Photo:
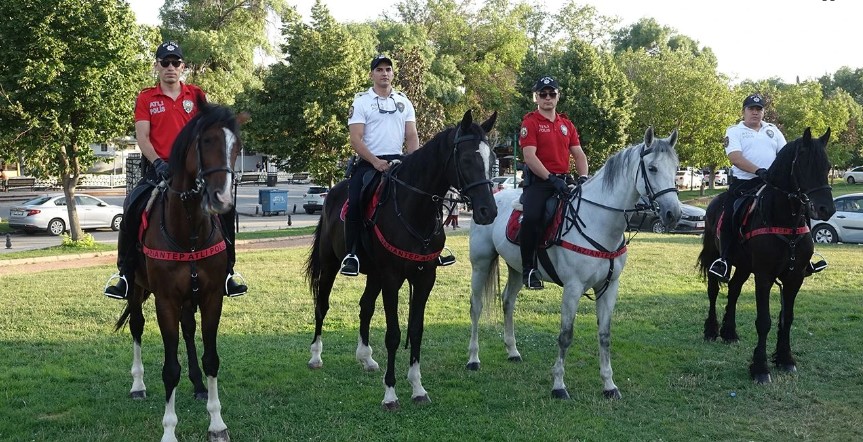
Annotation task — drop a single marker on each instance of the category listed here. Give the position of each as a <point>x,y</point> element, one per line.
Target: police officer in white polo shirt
<point>381,120</point>
<point>751,145</point>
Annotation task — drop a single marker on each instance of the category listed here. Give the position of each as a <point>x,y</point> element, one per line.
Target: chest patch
<point>188,105</point>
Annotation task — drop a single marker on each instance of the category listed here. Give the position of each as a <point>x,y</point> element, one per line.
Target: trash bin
<point>273,201</point>
<point>272,179</point>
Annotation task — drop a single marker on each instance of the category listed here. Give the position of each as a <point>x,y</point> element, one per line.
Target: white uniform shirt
<point>384,119</point>
<point>758,146</point>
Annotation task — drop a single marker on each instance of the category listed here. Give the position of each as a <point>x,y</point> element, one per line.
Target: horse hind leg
<point>136,329</point>
<point>711,325</point>
<point>510,293</point>
<point>728,331</point>
<point>188,325</point>
<point>322,306</point>
<point>367,309</point>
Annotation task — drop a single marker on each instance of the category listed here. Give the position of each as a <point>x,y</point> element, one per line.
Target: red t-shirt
<point>167,116</point>
<point>551,138</point>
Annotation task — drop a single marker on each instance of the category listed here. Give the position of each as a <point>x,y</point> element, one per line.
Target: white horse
<point>591,253</point>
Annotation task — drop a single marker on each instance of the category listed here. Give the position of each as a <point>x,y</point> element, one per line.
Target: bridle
<point>803,196</point>
<point>200,177</point>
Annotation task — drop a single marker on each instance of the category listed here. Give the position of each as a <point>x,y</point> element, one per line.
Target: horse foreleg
<point>759,370</point>
<point>569,307</point>
<point>604,309</point>
<point>391,340</point>
<point>728,332</point>
<point>136,328</point>
<point>783,358</point>
<point>514,284</point>
<point>416,324</point>
<point>322,306</point>
<point>188,326</point>
<point>167,313</point>
<point>367,310</point>
<point>211,312</point>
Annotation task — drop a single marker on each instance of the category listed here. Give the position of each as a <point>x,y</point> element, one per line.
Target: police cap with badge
<point>545,82</point>
<point>168,49</point>
<point>753,100</point>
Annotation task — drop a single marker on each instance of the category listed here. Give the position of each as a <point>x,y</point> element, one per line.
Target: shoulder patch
<point>350,112</point>
<point>725,141</point>
<point>523,132</point>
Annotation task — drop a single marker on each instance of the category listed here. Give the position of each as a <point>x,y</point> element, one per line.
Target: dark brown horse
<point>185,263</point>
<point>774,244</point>
<point>403,241</point>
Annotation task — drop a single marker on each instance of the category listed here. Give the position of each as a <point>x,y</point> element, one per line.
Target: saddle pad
<point>370,207</point>
<point>513,227</point>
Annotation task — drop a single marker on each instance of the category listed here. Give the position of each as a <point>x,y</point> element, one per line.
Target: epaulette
<point>360,94</point>
<point>400,93</point>
<point>148,88</point>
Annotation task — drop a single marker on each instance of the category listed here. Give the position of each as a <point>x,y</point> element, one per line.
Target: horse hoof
<point>762,379</point>
<point>787,368</point>
<point>315,365</point>
<point>710,338</point>
<point>612,394</point>
<point>391,406</point>
<point>473,366</point>
<point>421,400</point>
<point>218,436</point>
<point>731,340</point>
<point>141,394</point>
<point>560,393</point>
<point>201,396</point>
<point>514,359</point>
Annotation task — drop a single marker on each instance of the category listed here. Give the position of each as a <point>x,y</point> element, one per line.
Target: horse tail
<point>124,318</point>
<point>313,264</point>
<point>491,285</point>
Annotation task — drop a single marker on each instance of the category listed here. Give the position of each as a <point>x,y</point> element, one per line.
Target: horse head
<point>203,157</point>
<point>658,167</point>
<point>473,158</point>
<point>801,169</point>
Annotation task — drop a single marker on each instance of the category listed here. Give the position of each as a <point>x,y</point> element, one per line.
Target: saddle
<point>375,190</point>
<point>744,206</point>
<point>551,218</point>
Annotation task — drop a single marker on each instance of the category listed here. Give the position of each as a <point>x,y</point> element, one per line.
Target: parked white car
<point>49,213</point>
<point>853,175</point>
<point>721,178</point>
<point>686,178</point>
<point>846,225</point>
<point>503,182</point>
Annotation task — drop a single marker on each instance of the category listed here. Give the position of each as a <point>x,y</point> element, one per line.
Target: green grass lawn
<point>65,374</point>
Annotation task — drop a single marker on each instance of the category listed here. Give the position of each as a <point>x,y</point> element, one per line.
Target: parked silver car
<point>49,213</point>
<point>846,225</point>
<point>691,219</point>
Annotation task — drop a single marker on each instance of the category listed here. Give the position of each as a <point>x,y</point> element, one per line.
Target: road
<point>250,218</point>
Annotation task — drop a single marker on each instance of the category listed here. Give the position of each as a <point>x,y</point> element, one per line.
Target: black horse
<point>184,261</point>
<point>403,241</point>
<point>774,243</point>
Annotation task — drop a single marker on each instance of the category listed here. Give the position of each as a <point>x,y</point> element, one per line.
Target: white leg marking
<point>169,420</point>
<point>317,348</point>
<point>137,369</point>
<point>214,407</point>
<point>364,357</point>
<point>415,379</point>
<point>389,395</point>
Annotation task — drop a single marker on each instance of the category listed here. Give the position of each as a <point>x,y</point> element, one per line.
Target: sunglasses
<point>381,109</point>
<point>174,63</point>
<point>547,94</point>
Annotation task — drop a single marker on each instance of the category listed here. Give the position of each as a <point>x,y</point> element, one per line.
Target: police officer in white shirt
<point>381,120</point>
<point>751,145</point>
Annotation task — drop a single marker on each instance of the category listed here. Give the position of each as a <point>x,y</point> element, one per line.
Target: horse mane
<point>811,156</point>
<point>617,163</point>
<point>208,115</point>
<point>426,155</point>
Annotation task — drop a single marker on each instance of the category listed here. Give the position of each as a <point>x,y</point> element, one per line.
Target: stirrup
<point>108,285</point>
<point>821,264</point>
<point>720,269</point>
<point>243,288</point>
<point>350,265</point>
<point>532,282</point>
<point>447,260</point>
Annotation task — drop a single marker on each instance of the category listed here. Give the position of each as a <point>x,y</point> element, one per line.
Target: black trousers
<point>533,199</point>
<point>726,232</point>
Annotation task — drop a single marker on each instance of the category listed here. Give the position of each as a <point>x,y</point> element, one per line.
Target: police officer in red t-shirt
<point>160,113</point>
<point>547,140</point>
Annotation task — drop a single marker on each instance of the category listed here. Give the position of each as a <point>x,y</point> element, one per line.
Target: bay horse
<point>184,261</point>
<point>589,251</point>
<point>775,244</point>
<point>402,242</point>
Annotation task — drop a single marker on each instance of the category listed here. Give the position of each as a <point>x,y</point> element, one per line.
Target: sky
<point>752,39</point>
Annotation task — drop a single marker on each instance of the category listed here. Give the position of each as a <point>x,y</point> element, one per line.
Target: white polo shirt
<point>758,146</point>
<point>384,132</point>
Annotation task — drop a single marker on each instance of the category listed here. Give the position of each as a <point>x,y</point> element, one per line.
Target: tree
<point>70,73</point>
<point>301,112</point>
<point>220,41</point>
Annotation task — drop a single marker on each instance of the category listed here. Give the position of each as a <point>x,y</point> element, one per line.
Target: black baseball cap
<point>545,82</point>
<point>167,49</point>
<point>380,58</point>
<point>754,100</point>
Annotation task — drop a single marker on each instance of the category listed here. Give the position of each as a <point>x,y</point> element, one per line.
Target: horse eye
<point>652,169</point>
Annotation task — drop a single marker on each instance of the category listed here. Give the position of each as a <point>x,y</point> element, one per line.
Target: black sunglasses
<point>547,94</point>
<point>174,63</point>
<point>381,110</point>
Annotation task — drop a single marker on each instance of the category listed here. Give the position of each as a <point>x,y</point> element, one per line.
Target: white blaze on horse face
<point>485,152</point>
<point>225,195</point>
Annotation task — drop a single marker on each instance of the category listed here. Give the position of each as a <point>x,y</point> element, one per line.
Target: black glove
<point>762,173</point>
<point>161,169</point>
<point>582,179</point>
<point>559,185</point>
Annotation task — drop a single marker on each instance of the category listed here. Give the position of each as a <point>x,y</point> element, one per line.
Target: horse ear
<point>825,138</point>
<point>488,124</point>
<point>466,121</point>
<point>672,139</point>
<point>244,117</point>
<point>807,134</point>
<point>648,136</point>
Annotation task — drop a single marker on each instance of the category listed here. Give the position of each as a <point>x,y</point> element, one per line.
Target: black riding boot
<point>530,274</point>
<point>233,288</point>
<point>351,264</point>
